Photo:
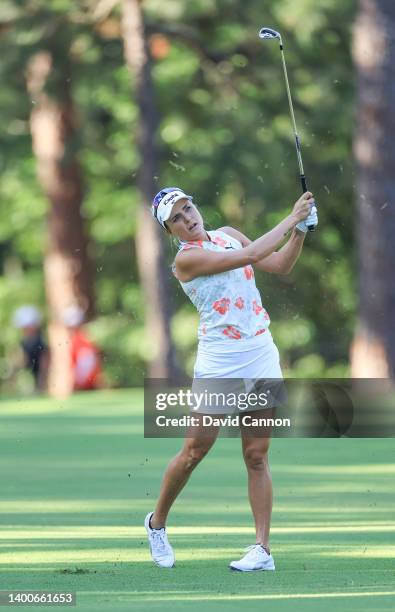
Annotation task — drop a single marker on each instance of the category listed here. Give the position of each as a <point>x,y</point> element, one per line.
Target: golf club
<point>269,34</point>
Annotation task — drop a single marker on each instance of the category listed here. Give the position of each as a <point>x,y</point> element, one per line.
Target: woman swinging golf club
<point>215,270</point>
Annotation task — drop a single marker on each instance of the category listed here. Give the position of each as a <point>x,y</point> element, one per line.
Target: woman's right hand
<point>303,206</point>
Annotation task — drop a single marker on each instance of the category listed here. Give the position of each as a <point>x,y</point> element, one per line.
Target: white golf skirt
<point>257,357</point>
<point>233,371</point>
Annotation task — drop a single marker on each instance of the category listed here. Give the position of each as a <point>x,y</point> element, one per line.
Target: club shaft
<point>270,33</point>
<point>303,180</point>
<point>291,108</point>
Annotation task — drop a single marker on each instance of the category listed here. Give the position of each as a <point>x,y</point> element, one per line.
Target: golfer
<point>215,270</point>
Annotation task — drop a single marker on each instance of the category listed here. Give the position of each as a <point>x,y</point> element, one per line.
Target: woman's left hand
<point>311,220</point>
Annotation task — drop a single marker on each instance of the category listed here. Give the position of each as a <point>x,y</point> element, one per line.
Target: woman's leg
<point>255,452</point>
<point>180,468</point>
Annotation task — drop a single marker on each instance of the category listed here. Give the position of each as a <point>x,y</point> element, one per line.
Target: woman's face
<point>186,222</point>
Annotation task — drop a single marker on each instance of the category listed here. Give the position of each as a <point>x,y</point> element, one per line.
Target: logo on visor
<point>162,194</point>
<point>171,198</point>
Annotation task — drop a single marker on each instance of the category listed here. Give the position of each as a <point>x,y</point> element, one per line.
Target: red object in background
<point>85,361</point>
<point>159,46</point>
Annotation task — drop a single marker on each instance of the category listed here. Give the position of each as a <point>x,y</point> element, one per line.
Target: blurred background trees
<point>373,349</point>
<point>188,97</point>
<point>54,135</point>
<point>150,251</point>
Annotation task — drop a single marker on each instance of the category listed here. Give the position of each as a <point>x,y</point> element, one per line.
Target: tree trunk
<point>153,270</point>
<point>66,267</point>
<point>373,349</point>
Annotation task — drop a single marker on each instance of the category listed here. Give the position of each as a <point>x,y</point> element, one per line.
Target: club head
<point>268,33</point>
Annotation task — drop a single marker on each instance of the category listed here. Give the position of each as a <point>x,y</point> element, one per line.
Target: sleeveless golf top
<point>229,304</point>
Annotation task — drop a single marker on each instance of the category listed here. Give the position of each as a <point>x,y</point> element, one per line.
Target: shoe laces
<point>254,551</point>
<point>159,538</point>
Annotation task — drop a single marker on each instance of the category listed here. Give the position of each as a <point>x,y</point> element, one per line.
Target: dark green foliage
<point>225,136</point>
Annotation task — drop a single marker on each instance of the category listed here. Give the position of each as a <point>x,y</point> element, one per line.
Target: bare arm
<point>279,262</point>
<point>288,255</point>
<point>198,262</point>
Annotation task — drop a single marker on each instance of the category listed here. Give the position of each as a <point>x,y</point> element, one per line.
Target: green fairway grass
<point>78,478</point>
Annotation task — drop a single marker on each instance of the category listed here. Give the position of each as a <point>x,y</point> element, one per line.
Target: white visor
<point>166,205</point>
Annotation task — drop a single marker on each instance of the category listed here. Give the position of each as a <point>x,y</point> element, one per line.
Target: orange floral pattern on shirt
<point>260,331</point>
<point>249,272</point>
<point>220,241</point>
<point>232,332</point>
<point>222,305</point>
<point>256,307</point>
<point>229,303</point>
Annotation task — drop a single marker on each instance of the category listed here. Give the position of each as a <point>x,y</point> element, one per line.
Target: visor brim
<point>168,210</point>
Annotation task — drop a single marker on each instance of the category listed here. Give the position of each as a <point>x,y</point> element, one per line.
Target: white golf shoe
<point>161,551</point>
<point>256,559</point>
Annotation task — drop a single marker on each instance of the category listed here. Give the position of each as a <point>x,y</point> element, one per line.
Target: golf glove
<point>312,219</point>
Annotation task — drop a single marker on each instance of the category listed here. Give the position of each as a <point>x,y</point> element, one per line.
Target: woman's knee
<point>192,455</point>
<point>256,458</point>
